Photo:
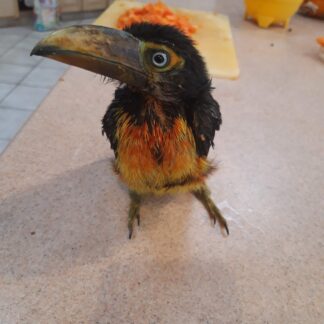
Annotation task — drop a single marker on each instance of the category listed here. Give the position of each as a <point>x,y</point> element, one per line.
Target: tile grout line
<point>31,112</point>
<point>13,108</point>
<point>8,140</point>
<point>19,83</point>
<point>37,65</point>
<point>48,67</point>
<point>28,73</point>
<point>19,64</point>
<point>22,80</point>
<point>15,44</point>
<point>22,39</point>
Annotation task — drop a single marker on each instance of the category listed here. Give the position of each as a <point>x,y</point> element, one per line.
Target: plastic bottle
<point>46,12</point>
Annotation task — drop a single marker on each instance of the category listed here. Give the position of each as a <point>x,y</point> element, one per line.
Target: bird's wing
<point>109,125</point>
<point>206,119</point>
<point>125,102</point>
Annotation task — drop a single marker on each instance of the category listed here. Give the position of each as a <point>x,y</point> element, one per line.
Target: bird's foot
<point>133,212</point>
<point>132,216</point>
<point>203,195</point>
<point>215,215</point>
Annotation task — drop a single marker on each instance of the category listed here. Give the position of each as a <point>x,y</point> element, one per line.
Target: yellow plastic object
<point>268,12</point>
<point>213,37</point>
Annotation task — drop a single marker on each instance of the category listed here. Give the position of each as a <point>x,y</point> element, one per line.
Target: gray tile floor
<point>24,80</point>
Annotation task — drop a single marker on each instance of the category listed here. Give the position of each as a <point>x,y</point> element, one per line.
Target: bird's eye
<point>160,59</point>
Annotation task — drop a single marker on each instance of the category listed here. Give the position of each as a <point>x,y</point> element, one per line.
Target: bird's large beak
<point>106,51</point>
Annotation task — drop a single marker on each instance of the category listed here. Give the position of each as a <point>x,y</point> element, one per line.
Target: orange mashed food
<point>320,40</point>
<point>157,13</point>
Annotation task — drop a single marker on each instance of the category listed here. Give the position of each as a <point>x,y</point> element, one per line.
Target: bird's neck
<point>152,111</point>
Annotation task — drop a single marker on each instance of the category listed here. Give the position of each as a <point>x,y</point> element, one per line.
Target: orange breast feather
<point>177,168</point>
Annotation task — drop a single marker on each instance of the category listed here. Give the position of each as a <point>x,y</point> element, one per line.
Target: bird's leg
<point>133,211</point>
<point>203,195</point>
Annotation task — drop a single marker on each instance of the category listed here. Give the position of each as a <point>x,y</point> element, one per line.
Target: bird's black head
<point>174,67</point>
<point>154,59</point>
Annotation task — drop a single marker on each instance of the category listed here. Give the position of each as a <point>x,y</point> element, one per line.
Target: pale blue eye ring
<point>160,59</point>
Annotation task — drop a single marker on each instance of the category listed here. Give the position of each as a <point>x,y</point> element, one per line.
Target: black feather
<point>206,119</point>
<point>184,92</point>
<point>124,97</point>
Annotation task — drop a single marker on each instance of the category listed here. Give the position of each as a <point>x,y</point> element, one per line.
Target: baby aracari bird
<point>162,121</point>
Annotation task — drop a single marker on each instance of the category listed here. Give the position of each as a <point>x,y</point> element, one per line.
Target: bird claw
<point>226,228</point>
<point>133,212</point>
<point>131,224</point>
<point>203,195</point>
<point>130,233</point>
<point>221,220</point>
